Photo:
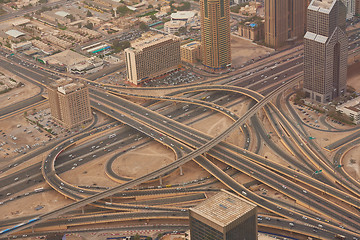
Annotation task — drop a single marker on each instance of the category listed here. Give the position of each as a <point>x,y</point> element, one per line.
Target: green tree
<point>119,46</point>
<point>143,26</point>
<point>150,6</point>
<point>89,25</point>
<point>122,10</point>
<point>184,6</point>
<point>71,17</point>
<point>89,14</point>
<point>153,17</point>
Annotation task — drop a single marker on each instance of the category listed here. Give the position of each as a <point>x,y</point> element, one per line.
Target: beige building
<point>173,26</point>
<point>325,51</point>
<point>357,7</point>
<point>252,30</point>
<point>224,216</point>
<point>215,33</point>
<point>284,21</point>
<point>351,109</point>
<point>191,52</point>
<point>152,57</point>
<point>69,103</point>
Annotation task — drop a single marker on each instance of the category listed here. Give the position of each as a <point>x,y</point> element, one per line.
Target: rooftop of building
<point>191,45</point>
<point>150,41</point>
<point>322,5</point>
<point>183,15</point>
<point>60,82</point>
<point>67,57</point>
<point>62,13</point>
<point>223,208</point>
<point>175,23</point>
<point>14,33</point>
<point>71,87</point>
<point>353,105</point>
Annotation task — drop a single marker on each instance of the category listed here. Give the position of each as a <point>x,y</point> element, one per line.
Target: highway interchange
<point>188,144</point>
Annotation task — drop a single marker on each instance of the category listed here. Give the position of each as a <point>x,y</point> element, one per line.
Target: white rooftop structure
<point>69,88</point>
<point>183,15</point>
<point>62,13</point>
<point>20,21</point>
<point>322,5</point>
<point>223,208</point>
<point>14,33</point>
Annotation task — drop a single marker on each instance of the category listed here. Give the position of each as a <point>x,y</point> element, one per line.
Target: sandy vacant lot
<point>243,50</point>
<point>354,76</point>
<point>351,162</point>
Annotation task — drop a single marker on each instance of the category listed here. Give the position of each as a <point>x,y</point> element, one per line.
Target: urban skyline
<point>202,120</point>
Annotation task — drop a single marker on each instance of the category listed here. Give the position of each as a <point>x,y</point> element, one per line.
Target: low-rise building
<point>351,109</point>
<point>56,16</point>
<point>21,46</point>
<point>74,62</point>
<point>191,52</point>
<point>186,16</point>
<point>57,41</point>
<point>152,57</point>
<point>252,30</point>
<point>173,26</point>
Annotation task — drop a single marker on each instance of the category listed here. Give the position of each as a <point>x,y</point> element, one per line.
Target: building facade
<point>357,7</point>
<point>225,216</point>
<point>215,33</point>
<point>251,30</point>
<point>173,27</point>
<point>284,21</point>
<point>351,109</point>
<point>152,57</point>
<point>191,52</point>
<point>325,50</point>
<point>70,103</point>
<point>350,8</point>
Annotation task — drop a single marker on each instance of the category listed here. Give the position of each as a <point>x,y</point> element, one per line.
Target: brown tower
<point>284,21</point>
<point>325,50</point>
<point>215,33</point>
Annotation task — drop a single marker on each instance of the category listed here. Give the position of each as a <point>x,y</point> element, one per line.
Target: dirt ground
<point>153,156</point>
<point>351,162</point>
<point>243,50</point>
<point>353,78</point>
<point>18,133</point>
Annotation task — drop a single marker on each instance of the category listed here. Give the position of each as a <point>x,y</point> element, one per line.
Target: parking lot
<point>174,78</point>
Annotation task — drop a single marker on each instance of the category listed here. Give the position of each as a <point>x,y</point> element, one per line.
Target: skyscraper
<point>350,8</point>
<point>215,33</point>
<point>224,216</point>
<point>284,21</point>
<point>325,53</point>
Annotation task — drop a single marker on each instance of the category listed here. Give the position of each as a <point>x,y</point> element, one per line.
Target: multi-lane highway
<point>188,144</point>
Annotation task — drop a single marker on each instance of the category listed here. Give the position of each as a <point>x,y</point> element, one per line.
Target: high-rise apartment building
<point>224,216</point>
<point>69,103</point>
<point>325,50</point>
<point>215,33</point>
<point>350,8</point>
<point>284,21</point>
<point>152,57</point>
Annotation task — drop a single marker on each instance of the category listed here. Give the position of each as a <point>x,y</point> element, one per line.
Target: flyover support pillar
<point>181,171</point>
<point>82,210</point>
<point>160,179</point>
